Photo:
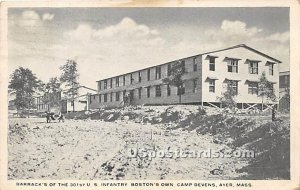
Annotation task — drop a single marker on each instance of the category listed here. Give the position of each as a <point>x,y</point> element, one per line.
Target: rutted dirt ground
<point>95,149</point>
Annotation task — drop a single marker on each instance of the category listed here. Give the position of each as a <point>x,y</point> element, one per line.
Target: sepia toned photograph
<point>148,93</point>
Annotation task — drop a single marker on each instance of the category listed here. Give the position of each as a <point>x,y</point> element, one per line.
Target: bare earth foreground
<point>99,145</point>
<point>93,149</point>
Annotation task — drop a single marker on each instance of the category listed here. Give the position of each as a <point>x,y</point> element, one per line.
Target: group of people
<point>50,116</point>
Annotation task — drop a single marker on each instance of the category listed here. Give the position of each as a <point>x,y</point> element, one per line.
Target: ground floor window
<point>117,96</point>
<point>148,92</point>
<point>195,85</point>
<point>181,89</point>
<point>253,88</point>
<point>111,97</point>
<point>157,91</point>
<point>232,86</point>
<point>140,93</point>
<point>212,85</point>
<point>105,97</point>
<point>99,98</point>
<point>168,90</point>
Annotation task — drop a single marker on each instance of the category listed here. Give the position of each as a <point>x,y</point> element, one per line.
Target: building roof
<point>233,47</point>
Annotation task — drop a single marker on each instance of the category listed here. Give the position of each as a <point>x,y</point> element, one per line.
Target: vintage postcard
<point>150,95</point>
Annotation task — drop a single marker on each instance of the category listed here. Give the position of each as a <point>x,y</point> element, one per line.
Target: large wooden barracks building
<point>206,76</point>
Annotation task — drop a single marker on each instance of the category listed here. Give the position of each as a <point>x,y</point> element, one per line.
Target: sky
<point>110,41</point>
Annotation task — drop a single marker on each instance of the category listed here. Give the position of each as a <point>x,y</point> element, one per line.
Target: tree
<point>265,89</point>
<point>227,99</point>
<point>52,92</point>
<point>23,84</point>
<point>175,78</point>
<point>70,78</point>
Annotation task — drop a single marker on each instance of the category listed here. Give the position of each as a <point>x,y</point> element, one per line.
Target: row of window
<point>232,65</point>
<point>42,106</point>
<point>158,92</point>
<point>232,86</point>
<point>108,83</point>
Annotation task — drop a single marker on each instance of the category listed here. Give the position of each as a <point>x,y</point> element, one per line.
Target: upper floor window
<point>232,86</point>
<point>111,83</point>
<point>99,85</point>
<point>131,78</point>
<point>183,65</point>
<point>271,68</point>
<point>212,63</point>
<point>117,81</point>
<point>157,72</point>
<point>105,84</point>
<point>253,88</point>
<point>169,67</point>
<point>253,67</point>
<point>140,76</point>
<point>232,65</point>
<point>195,66</point>
<point>124,80</point>
<point>148,74</point>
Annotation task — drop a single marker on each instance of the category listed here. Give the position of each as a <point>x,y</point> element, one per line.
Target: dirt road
<point>91,149</point>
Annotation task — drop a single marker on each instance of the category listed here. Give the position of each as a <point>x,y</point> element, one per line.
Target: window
<point>99,85</point>
<point>117,96</point>
<point>169,69</point>
<point>194,85</point>
<point>212,63</point>
<point>253,67</point>
<point>105,84</point>
<point>157,91</point>
<point>99,98</point>
<point>212,85</point>
<point>111,97</point>
<point>271,68</point>
<point>157,72</point>
<point>148,74</point>
<point>284,81</point>
<point>253,88</point>
<point>183,66</point>
<point>195,64</point>
<point>117,81</point>
<point>140,76</point>
<point>124,94</point>
<point>124,80</point>
<point>105,97</point>
<point>140,93</point>
<point>232,86</point>
<point>90,100</point>
<point>181,89</point>
<point>148,92</point>
<point>131,95</point>
<point>168,90</point>
<point>233,65</point>
<point>131,78</point>
<point>111,83</point>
